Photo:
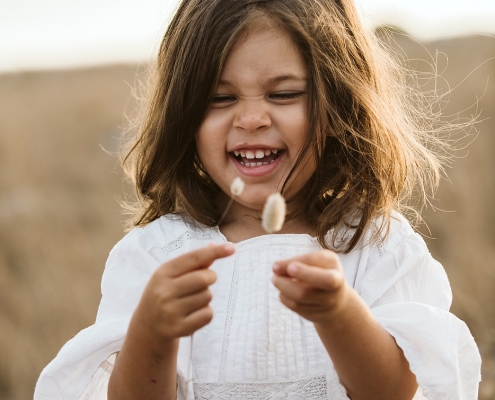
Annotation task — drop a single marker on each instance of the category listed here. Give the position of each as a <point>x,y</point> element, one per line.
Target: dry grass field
<point>59,217</point>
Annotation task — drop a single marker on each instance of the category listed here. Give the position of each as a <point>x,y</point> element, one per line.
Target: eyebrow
<point>271,81</point>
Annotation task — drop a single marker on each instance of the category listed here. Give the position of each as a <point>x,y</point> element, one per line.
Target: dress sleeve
<point>82,367</point>
<point>409,294</point>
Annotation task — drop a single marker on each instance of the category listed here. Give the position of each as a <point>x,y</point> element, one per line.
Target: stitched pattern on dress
<point>308,389</point>
<point>228,320</point>
<point>379,242</point>
<point>174,217</point>
<point>188,235</point>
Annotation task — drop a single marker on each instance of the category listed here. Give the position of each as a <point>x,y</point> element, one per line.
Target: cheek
<point>205,153</point>
<point>296,126</point>
<point>207,134</point>
<point>216,120</point>
<point>201,141</point>
<point>293,122</point>
<point>212,132</point>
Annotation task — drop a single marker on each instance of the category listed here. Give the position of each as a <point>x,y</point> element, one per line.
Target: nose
<point>252,116</point>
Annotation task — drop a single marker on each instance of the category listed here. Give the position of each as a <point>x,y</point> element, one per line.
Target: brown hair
<point>371,152</point>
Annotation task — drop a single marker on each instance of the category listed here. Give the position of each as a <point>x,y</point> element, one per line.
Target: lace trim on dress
<point>228,321</point>
<point>380,245</point>
<point>188,235</point>
<point>308,389</point>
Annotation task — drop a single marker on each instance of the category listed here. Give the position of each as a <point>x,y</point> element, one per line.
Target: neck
<point>242,223</point>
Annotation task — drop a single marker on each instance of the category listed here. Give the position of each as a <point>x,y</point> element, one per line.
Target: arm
<point>173,304</point>
<point>366,357</point>
<point>145,367</point>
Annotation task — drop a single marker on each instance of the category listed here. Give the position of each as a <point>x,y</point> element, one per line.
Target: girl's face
<point>257,121</point>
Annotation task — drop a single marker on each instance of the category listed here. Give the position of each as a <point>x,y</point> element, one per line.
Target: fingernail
<point>292,269</point>
<point>229,247</point>
<point>276,267</point>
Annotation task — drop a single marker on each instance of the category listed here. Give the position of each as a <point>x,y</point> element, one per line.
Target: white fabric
<point>98,387</point>
<point>255,347</point>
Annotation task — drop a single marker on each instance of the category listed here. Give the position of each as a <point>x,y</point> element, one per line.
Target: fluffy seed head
<point>237,186</point>
<point>273,213</point>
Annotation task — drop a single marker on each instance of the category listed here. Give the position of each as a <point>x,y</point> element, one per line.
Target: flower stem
<point>226,210</point>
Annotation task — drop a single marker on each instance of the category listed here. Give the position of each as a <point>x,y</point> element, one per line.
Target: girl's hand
<point>176,300</point>
<point>366,357</point>
<point>173,304</point>
<point>312,285</point>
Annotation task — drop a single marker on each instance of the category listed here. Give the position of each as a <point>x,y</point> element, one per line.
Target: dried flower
<point>273,213</point>
<point>237,187</point>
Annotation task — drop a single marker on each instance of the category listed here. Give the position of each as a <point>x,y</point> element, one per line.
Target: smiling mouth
<point>256,158</point>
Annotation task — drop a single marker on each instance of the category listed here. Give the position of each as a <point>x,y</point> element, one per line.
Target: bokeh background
<point>67,72</point>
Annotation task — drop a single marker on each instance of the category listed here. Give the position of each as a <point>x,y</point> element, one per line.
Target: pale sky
<point>47,34</point>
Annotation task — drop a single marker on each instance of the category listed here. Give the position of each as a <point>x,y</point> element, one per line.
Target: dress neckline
<point>271,237</point>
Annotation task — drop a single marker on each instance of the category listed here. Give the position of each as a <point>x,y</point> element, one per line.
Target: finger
<point>193,282</point>
<point>196,320</point>
<point>322,258</point>
<point>189,304</point>
<point>319,278</point>
<point>301,309</point>
<point>298,292</point>
<point>200,258</point>
<point>289,303</point>
<point>207,265</point>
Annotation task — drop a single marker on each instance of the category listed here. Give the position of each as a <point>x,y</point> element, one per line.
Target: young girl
<point>292,96</point>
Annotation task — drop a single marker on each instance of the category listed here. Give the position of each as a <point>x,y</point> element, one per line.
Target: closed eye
<point>286,95</point>
<point>222,99</point>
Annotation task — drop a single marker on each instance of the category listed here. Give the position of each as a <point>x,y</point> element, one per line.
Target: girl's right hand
<point>175,302</point>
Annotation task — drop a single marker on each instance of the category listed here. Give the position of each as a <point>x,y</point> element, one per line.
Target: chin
<point>256,203</point>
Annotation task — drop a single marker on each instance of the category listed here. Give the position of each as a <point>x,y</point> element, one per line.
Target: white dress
<point>255,348</point>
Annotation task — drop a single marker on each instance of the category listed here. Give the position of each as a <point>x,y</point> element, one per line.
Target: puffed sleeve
<point>409,294</point>
<point>82,367</point>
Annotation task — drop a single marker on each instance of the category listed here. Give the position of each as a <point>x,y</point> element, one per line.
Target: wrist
<point>340,309</point>
<point>144,334</point>
<point>146,366</point>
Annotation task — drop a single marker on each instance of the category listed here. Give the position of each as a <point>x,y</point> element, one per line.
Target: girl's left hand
<point>312,285</point>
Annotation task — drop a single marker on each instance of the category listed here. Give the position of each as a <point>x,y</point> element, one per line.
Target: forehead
<point>262,52</point>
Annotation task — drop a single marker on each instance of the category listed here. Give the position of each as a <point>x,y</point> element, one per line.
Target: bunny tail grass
<point>273,213</point>
<point>236,189</point>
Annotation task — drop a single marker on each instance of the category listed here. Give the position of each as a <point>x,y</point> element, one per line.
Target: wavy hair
<point>373,149</point>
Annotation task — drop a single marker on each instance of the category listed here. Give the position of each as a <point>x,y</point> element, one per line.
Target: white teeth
<point>256,164</point>
<point>256,153</point>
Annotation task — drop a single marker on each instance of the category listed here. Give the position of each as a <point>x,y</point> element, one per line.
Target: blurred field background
<point>59,217</point>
